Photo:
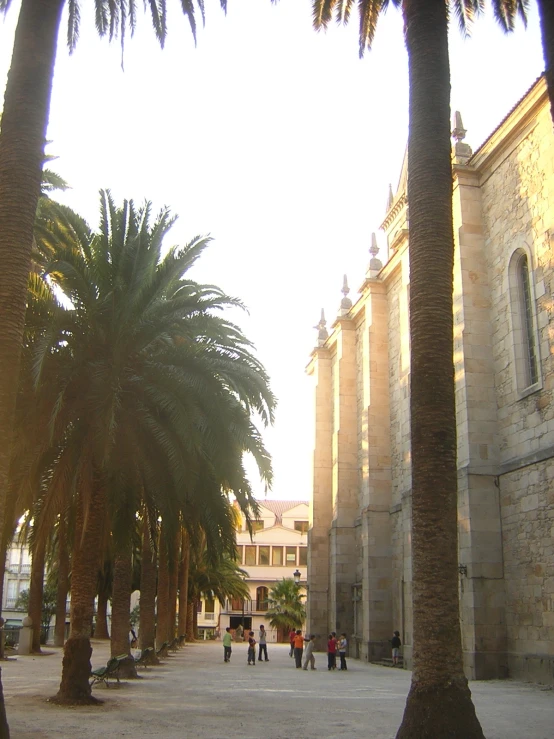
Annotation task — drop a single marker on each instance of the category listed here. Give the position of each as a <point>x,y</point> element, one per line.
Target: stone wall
<point>518,214</point>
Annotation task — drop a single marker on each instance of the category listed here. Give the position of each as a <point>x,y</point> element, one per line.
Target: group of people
<point>336,644</point>
<point>302,648</point>
<point>262,645</point>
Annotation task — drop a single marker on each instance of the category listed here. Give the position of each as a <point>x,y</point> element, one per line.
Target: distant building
<point>278,549</point>
<point>17,578</point>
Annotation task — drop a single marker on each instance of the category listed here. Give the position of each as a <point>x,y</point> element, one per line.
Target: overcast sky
<point>277,141</point>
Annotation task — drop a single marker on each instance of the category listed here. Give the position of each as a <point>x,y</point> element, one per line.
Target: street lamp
<point>297,575</point>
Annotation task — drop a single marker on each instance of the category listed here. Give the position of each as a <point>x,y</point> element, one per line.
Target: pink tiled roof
<point>278,507</point>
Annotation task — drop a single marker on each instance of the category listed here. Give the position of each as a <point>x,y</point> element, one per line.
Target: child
<point>343,644</point>
<point>395,644</point>
<point>251,649</point>
<point>227,641</point>
<point>309,653</point>
<point>331,652</point>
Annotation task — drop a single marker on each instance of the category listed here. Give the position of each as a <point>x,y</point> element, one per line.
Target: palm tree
<point>438,678</point>
<point>212,576</point>
<point>148,391</point>
<point>286,609</point>
<point>506,12</point>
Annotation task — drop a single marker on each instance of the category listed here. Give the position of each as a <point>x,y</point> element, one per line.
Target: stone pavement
<point>195,695</point>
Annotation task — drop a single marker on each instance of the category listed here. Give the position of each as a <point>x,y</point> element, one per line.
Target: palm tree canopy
<point>117,19</point>
<point>286,609</point>
<point>142,378</point>
<point>369,12</point>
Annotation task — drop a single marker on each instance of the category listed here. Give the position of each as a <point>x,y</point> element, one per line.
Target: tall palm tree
<point>286,609</point>
<point>148,390</point>
<point>438,679</point>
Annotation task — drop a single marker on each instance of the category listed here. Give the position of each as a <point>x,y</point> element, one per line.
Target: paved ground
<point>195,695</point>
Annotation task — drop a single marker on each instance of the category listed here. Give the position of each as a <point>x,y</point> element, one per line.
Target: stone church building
<point>359,562</point>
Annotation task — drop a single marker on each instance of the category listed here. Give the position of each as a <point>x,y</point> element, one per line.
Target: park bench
<point>174,646</point>
<point>182,640</point>
<point>163,652</point>
<point>107,673</point>
<point>145,657</point>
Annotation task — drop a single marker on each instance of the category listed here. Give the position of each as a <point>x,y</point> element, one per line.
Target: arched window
<point>261,598</point>
<point>523,319</point>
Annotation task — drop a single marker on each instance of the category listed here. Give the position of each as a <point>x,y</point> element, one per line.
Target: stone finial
<point>390,198</point>
<point>462,152</point>
<point>345,303</point>
<point>375,265</point>
<point>322,333</point>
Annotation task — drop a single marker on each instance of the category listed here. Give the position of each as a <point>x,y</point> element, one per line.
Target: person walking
<point>227,641</point>
<point>332,652</point>
<point>395,644</point>
<point>298,648</point>
<point>292,636</point>
<point>343,644</point>
<point>251,649</point>
<point>309,653</point>
<point>262,641</point>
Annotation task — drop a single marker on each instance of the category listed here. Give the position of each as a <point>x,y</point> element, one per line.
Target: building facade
<point>277,549</point>
<point>359,567</point>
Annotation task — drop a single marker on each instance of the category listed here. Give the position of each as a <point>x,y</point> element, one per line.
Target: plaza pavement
<point>195,695</point>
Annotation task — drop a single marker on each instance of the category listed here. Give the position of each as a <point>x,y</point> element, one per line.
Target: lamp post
<point>297,575</point>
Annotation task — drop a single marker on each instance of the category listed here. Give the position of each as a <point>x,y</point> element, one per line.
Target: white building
<point>278,549</point>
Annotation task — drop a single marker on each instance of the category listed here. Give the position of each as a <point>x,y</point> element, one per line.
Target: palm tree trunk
<point>190,620</point>
<point>439,703</point>
<point>546,14</point>
<point>173,585</point>
<point>147,603</point>
<point>101,625</point>
<point>22,136</point>
<point>36,590</point>
<point>63,584</point>
<point>121,609</point>
<point>74,686</point>
<point>162,601</point>
<point>183,583</point>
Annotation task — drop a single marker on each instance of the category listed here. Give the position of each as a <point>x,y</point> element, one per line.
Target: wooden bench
<point>174,646</point>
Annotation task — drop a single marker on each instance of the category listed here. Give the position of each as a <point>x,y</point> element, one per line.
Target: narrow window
<point>249,555</point>
<point>303,556</point>
<point>532,368</point>
<point>291,556</point>
<point>263,554</point>
<point>277,556</point>
<point>301,526</point>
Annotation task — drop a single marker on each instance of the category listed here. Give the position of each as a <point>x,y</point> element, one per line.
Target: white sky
<point>279,142</point>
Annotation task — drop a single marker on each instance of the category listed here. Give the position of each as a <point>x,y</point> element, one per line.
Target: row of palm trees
<point>137,400</point>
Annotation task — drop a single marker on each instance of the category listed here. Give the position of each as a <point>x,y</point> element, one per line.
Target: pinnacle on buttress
<point>322,333</point>
<point>375,265</point>
<point>462,153</point>
<point>345,303</point>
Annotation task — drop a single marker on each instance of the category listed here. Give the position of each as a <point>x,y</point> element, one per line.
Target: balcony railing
<point>250,606</point>
<point>209,617</point>
<point>19,569</point>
